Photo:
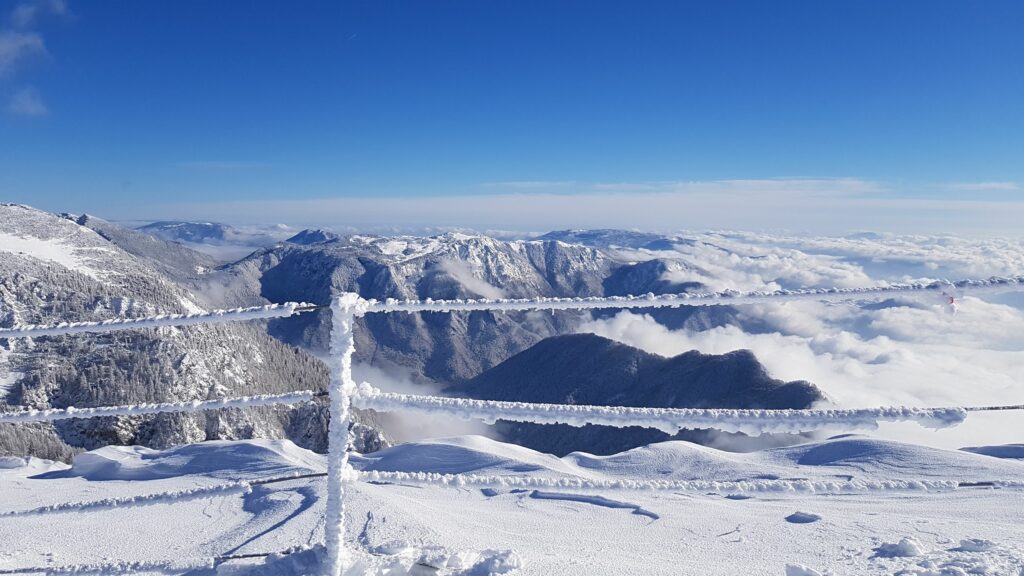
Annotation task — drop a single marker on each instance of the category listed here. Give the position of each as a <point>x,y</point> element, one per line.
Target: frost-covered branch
<point>214,317</point>
<point>669,420</point>
<point>700,486</point>
<point>702,299</point>
<point>53,414</point>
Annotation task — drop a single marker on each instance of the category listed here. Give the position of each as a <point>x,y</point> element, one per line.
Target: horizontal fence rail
<point>344,394</point>
<point>728,297</point>
<point>54,414</point>
<point>164,320</point>
<point>362,307</point>
<point>668,420</point>
<point>693,486</point>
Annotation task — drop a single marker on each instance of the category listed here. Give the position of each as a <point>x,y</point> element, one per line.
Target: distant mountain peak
<point>311,236</point>
<point>197,232</point>
<point>592,369</point>
<point>607,238</point>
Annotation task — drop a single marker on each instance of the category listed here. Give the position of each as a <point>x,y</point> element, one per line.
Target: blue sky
<point>140,109</point>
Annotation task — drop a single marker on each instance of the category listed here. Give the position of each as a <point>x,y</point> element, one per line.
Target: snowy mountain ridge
<point>57,270</point>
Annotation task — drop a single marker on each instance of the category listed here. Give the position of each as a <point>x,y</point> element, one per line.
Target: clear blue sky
<point>112,104</point>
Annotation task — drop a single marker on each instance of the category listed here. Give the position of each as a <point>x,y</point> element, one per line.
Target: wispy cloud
<point>823,186</point>
<point>984,186</point>
<point>16,47</point>
<point>221,165</point>
<point>531,184</point>
<point>777,186</point>
<point>26,102</point>
<point>25,14</point>
<point>20,44</point>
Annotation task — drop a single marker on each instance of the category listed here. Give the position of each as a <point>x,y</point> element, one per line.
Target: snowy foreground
<point>121,509</point>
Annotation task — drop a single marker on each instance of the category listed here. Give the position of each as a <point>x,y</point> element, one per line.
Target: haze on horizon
<point>824,118</point>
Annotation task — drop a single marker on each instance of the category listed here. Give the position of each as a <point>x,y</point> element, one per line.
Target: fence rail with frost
<point>344,393</point>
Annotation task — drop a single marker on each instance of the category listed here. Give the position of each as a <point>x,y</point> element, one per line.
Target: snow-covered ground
<point>55,250</point>
<point>8,375</point>
<point>195,510</point>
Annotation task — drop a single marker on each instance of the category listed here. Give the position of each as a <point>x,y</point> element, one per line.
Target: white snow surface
<point>56,250</point>
<point>97,515</point>
<point>8,375</point>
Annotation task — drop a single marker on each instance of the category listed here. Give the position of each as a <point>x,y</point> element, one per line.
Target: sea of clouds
<point>911,351</point>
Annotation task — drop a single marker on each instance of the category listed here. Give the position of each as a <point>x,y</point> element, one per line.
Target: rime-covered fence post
<point>344,310</point>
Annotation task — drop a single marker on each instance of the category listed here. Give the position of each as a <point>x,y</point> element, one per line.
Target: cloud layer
<point>912,352</point>
<point>822,206</point>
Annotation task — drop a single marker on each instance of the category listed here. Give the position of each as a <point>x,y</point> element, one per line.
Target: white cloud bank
<point>821,206</point>
<point>916,354</point>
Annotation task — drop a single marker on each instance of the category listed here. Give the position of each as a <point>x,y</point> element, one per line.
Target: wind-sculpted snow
<point>54,414</point>
<point>728,510</point>
<point>805,486</point>
<point>687,299</point>
<point>669,420</point>
<point>214,317</point>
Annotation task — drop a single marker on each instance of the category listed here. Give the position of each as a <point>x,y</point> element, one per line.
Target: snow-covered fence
<point>344,392</point>
<point>164,320</point>
<point>54,414</point>
<point>668,420</point>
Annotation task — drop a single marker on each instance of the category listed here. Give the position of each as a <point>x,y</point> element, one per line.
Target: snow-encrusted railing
<point>344,392</point>
<point>726,297</point>
<point>800,485</point>
<point>668,420</point>
<point>54,414</point>
<point>164,320</point>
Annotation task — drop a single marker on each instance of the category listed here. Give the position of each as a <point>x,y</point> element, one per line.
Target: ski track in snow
<point>595,500</point>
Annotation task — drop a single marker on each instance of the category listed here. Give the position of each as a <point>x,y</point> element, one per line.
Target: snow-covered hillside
<point>848,505</point>
<point>54,269</point>
<point>765,517</point>
<point>440,347</point>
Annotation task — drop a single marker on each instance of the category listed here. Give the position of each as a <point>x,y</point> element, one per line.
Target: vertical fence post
<point>344,310</point>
